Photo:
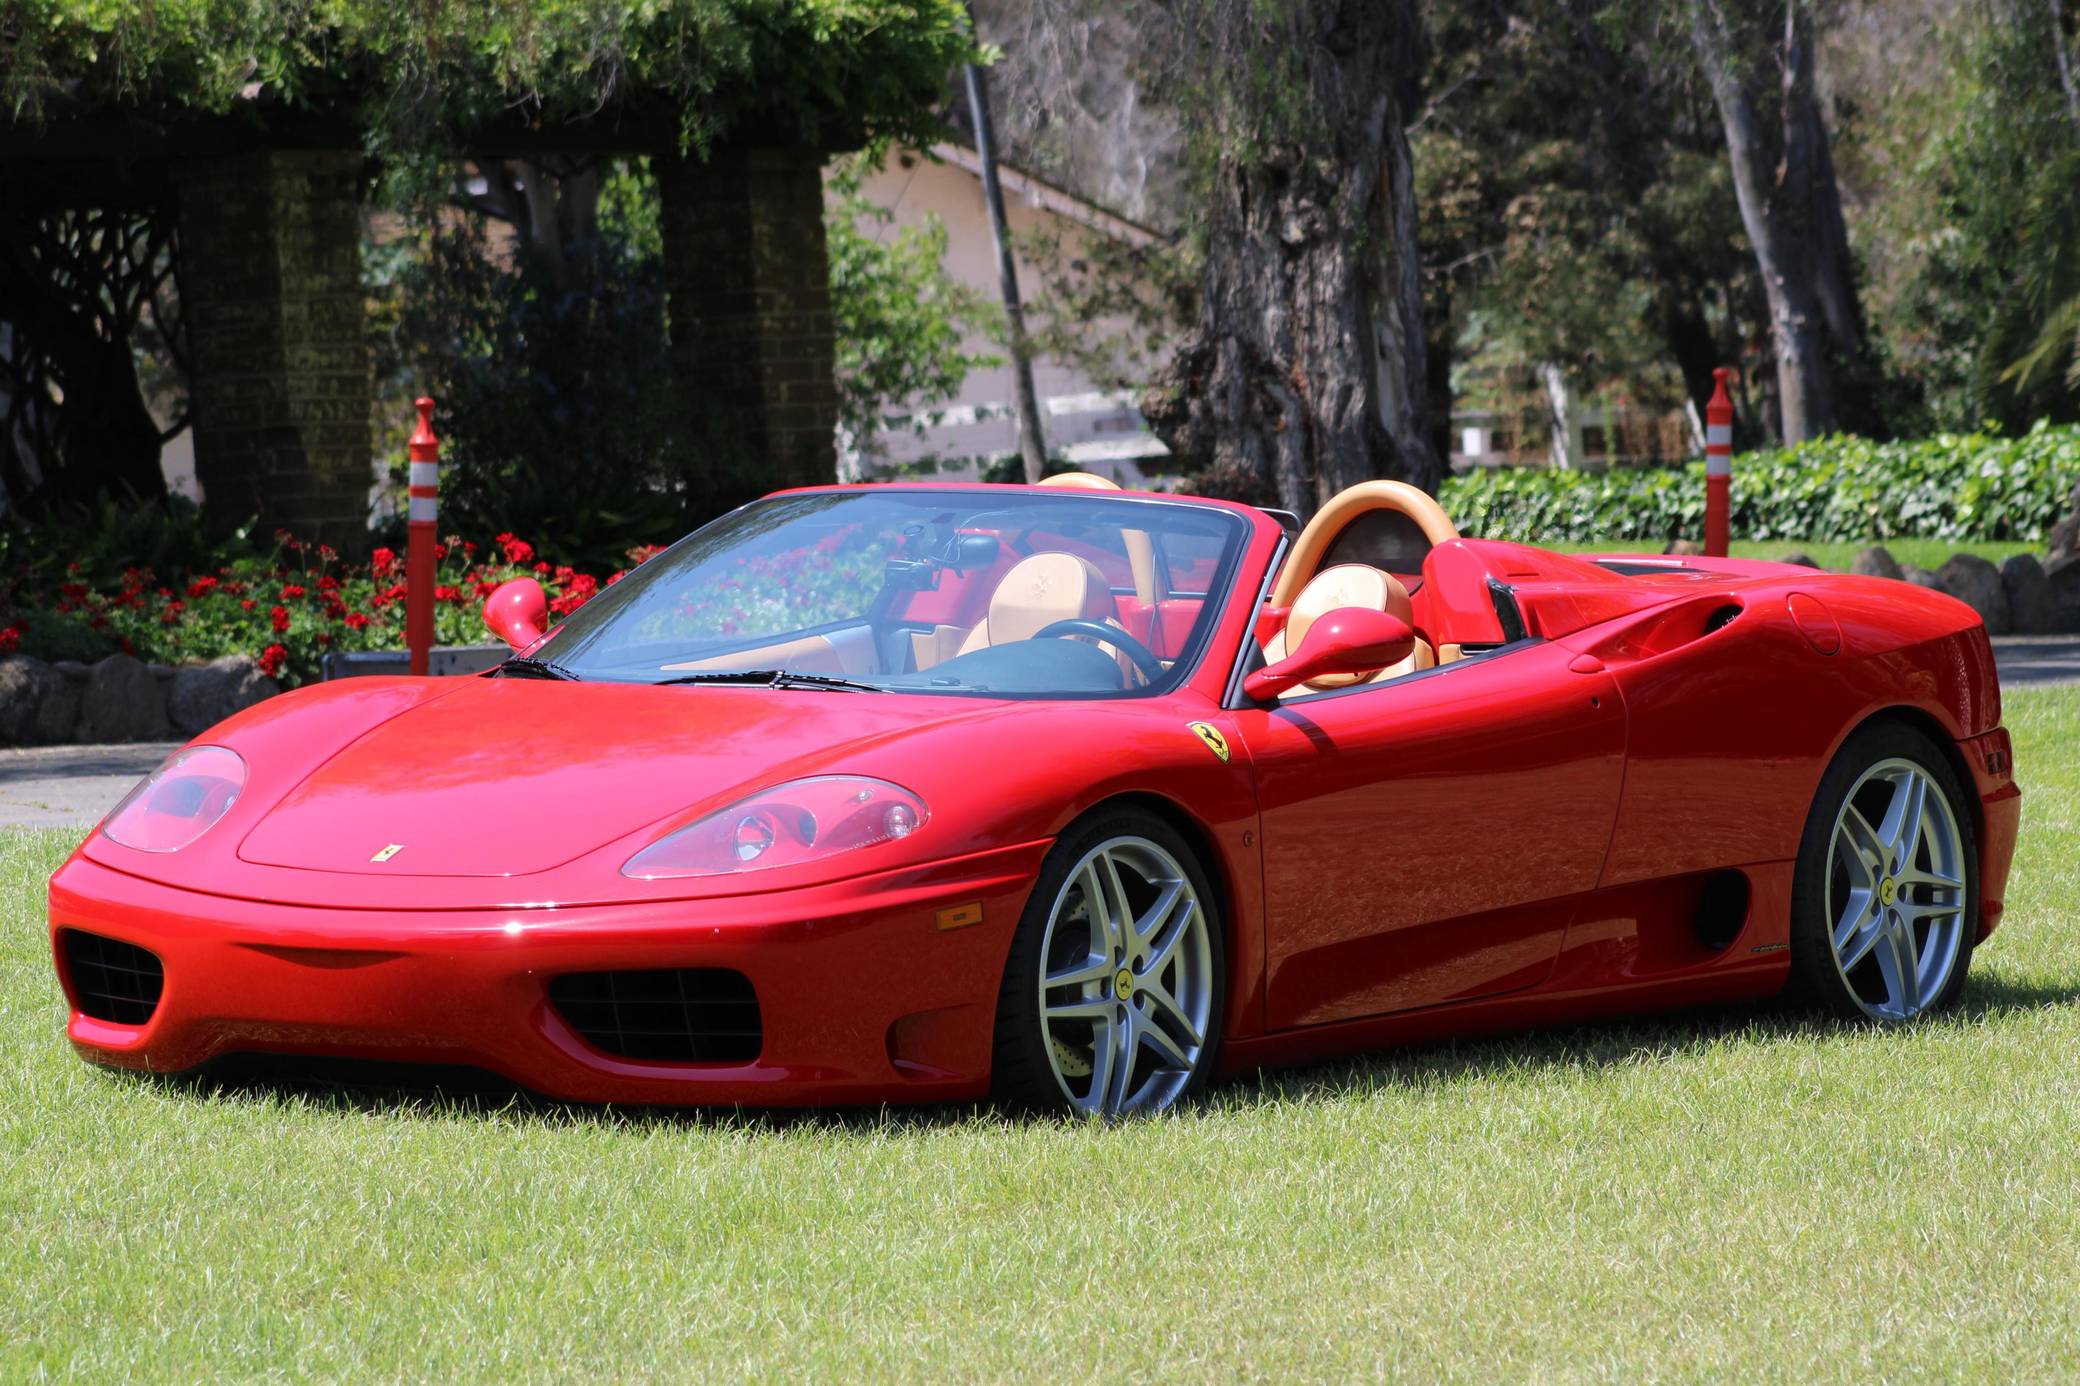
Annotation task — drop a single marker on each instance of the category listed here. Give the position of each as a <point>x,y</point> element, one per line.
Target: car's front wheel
<point>1112,998</point>
<point>1885,899</point>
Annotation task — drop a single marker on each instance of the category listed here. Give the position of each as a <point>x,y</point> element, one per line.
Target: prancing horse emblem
<point>388,852</point>
<point>1215,742</point>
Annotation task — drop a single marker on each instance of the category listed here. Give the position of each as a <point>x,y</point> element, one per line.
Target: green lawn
<point>1729,1196</point>
<point>1926,553</point>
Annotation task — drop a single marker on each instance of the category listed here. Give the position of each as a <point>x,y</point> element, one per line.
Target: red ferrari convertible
<point>1072,796</point>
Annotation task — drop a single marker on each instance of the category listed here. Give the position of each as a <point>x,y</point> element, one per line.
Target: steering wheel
<point>1142,657</point>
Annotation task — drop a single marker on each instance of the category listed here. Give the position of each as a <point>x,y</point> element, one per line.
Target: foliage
<point>546,366</point>
<point>901,318</point>
<point>424,72</point>
<point>286,605</point>
<point>1994,180</point>
<point>1953,486</point>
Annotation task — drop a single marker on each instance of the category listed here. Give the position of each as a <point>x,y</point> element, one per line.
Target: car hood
<point>510,777</point>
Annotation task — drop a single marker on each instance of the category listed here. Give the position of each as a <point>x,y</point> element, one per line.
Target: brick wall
<point>270,271</point>
<point>749,292</point>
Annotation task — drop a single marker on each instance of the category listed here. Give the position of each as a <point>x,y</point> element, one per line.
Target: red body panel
<point>1515,838</point>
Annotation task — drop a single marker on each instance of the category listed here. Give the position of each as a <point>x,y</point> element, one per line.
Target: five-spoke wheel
<point>1885,915</point>
<point>1112,998</point>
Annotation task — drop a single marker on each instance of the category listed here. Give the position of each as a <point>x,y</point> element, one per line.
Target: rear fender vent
<point>111,980</point>
<point>696,1015</point>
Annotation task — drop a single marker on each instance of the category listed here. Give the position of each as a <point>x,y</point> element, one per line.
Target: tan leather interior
<point>1347,505</point>
<point>1347,584</point>
<point>812,654</point>
<point>1037,592</point>
<point>1141,550</point>
<point>938,644</point>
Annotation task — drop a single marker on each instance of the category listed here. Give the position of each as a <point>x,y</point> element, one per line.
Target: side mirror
<point>1347,640</point>
<point>517,612</point>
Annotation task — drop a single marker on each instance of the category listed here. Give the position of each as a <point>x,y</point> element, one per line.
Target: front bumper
<point>863,996</point>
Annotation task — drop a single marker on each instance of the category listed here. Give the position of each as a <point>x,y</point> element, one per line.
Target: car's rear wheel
<point>1885,900</point>
<point>1112,998</point>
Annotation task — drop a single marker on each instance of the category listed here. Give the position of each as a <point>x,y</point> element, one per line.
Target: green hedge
<point>1952,486</point>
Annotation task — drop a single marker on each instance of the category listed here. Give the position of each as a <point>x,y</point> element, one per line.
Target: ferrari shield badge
<point>1215,742</point>
<point>388,852</point>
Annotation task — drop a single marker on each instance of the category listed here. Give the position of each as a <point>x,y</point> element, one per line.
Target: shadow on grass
<point>362,1086</point>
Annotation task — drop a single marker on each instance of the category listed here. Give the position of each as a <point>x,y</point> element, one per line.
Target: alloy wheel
<point>1896,890</point>
<point>1127,983</point>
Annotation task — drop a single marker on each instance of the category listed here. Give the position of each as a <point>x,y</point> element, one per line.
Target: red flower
<point>357,621</point>
<point>202,586</point>
<point>383,562</point>
<point>292,592</point>
<point>172,614</point>
<point>246,605</point>
<point>72,591</point>
<point>440,551</point>
<point>583,585</point>
<point>328,583</point>
<point>516,550</point>
<point>272,659</point>
<point>445,593</point>
<point>644,553</point>
<point>615,577</point>
<point>334,607</point>
<point>11,638</point>
<point>542,568</point>
<point>280,616</point>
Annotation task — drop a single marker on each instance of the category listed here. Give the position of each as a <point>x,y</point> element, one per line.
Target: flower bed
<point>285,609</point>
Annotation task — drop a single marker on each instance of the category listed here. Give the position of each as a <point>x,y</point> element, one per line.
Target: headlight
<point>180,802</point>
<point>801,821</point>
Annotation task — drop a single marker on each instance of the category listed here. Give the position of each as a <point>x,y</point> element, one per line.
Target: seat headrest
<point>1043,589</point>
<point>1346,584</point>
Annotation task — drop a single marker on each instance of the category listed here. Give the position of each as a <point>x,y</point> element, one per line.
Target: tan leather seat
<point>1037,592</point>
<point>1347,584</point>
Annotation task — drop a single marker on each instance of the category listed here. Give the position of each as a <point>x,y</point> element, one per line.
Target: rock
<point>1977,583</point>
<point>2062,581</point>
<point>1922,577</point>
<point>26,686</point>
<point>1687,548</point>
<point>205,694</point>
<point>74,670</point>
<point>2030,608</point>
<point>1803,560</point>
<point>1876,561</point>
<point>123,702</point>
<point>38,705</point>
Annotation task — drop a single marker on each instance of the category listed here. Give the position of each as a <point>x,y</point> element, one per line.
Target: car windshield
<point>1020,594</point>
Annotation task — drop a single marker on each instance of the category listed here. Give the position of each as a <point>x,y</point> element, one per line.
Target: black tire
<point>1022,1077</point>
<point>1816,978</point>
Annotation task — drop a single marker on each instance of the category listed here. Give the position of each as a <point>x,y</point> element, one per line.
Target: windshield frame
<point>1191,662</point>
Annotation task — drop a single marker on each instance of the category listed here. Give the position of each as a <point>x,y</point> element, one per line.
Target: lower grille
<point>111,980</point>
<point>701,1015</point>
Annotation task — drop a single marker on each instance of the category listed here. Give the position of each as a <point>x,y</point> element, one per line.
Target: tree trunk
<point>1565,416</point>
<point>1784,179</point>
<point>1305,372</point>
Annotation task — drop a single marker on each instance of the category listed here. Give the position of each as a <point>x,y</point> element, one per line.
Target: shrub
<point>1952,486</point>
<point>286,607</point>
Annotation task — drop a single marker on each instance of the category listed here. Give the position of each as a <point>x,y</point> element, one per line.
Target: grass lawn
<point>1926,553</point>
<point>1731,1196</point>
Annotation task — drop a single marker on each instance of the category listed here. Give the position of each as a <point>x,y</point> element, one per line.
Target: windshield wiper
<point>776,678</point>
<point>527,668</point>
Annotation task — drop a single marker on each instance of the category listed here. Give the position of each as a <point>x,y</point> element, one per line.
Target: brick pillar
<point>748,285</point>
<point>271,283</point>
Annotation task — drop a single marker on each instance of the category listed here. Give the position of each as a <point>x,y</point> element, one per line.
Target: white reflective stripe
<point>426,474</point>
<point>1719,436</point>
<point>425,509</point>
<point>1713,466</point>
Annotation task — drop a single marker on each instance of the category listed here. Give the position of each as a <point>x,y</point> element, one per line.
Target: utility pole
<point>1032,443</point>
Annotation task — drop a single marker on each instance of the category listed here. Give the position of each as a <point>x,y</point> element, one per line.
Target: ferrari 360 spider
<point>1072,796</point>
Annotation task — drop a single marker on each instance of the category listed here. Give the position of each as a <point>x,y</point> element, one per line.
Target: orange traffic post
<point>424,520</point>
<point>1718,464</point>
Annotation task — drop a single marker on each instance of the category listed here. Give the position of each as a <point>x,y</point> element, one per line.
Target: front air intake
<point>111,980</point>
<point>687,1015</point>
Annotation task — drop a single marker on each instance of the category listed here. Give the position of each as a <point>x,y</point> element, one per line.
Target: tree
<point>1304,372</point>
<point>1791,205</point>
